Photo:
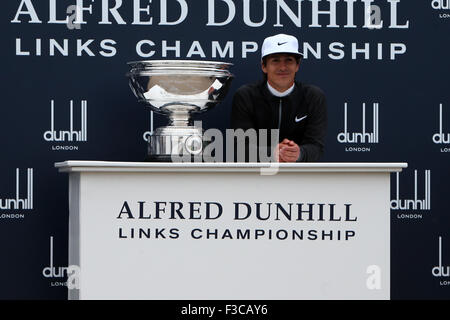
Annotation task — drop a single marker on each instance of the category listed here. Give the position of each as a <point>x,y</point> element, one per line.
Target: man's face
<point>280,69</point>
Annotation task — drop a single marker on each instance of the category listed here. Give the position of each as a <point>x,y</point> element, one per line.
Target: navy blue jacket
<point>301,116</point>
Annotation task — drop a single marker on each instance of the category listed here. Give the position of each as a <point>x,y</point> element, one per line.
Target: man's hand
<point>287,151</point>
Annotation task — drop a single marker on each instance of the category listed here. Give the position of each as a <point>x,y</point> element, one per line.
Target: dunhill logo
<point>71,135</point>
<point>440,4</point>
<point>441,137</point>
<point>51,271</point>
<point>361,137</point>
<point>441,271</point>
<point>17,203</point>
<point>413,204</point>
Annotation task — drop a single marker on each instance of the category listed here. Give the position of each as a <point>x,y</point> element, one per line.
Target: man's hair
<point>297,57</point>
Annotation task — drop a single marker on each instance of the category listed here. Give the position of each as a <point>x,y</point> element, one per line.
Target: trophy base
<point>175,144</point>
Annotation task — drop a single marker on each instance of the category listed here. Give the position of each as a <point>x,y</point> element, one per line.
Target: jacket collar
<point>262,85</point>
<point>279,94</point>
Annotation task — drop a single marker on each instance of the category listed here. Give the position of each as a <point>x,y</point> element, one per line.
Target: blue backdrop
<point>383,65</point>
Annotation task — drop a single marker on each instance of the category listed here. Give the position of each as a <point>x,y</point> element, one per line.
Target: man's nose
<point>283,65</point>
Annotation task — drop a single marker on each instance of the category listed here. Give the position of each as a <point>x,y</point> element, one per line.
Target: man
<point>296,109</point>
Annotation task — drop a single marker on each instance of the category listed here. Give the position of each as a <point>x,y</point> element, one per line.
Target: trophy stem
<point>180,119</point>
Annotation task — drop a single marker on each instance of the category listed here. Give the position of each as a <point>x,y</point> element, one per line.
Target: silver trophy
<point>178,89</point>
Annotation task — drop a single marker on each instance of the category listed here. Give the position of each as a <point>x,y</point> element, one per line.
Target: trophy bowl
<point>178,89</point>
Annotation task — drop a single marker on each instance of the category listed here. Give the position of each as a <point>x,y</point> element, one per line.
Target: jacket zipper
<point>279,115</point>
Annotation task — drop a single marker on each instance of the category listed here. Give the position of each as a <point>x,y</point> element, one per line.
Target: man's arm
<point>242,117</point>
<point>313,142</point>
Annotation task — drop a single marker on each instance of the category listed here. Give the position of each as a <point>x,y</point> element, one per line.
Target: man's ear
<point>263,67</point>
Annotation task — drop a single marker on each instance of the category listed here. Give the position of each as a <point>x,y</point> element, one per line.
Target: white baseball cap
<point>280,43</point>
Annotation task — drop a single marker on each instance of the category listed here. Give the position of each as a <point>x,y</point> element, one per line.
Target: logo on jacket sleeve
<point>297,119</point>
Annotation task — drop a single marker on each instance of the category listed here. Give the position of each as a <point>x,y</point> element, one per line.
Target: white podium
<point>229,231</point>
